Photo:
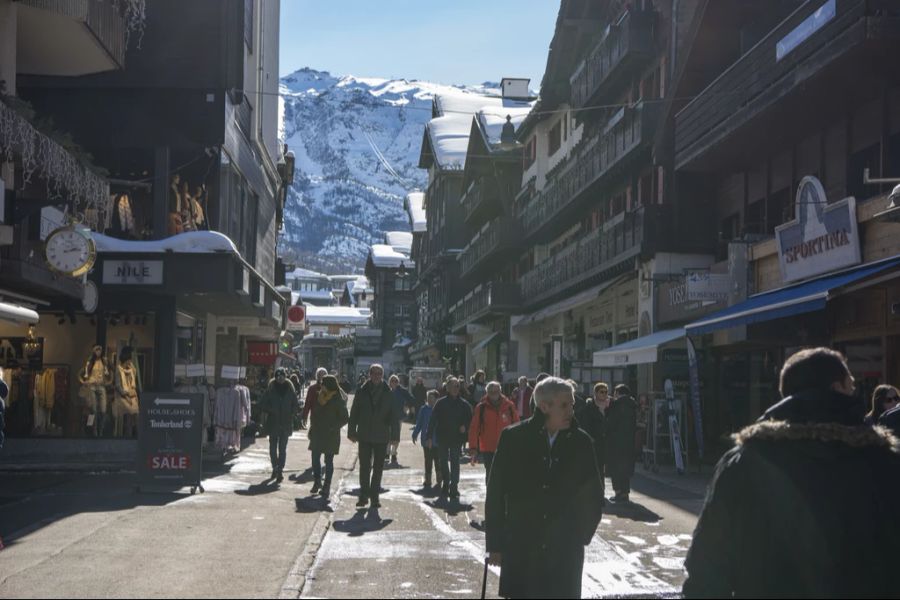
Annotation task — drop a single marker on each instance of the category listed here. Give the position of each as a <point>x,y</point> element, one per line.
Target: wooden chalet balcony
<point>486,300</point>
<point>628,131</point>
<point>481,200</point>
<point>605,252</point>
<point>495,239</point>
<point>793,59</point>
<point>625,46</point>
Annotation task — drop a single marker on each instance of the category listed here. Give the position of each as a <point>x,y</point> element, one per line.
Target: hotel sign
<point>823,238</point>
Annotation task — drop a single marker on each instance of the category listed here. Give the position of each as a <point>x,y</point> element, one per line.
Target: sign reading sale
<point>170,443</point>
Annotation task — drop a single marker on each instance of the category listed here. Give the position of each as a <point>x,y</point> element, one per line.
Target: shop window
<point>779,209</point>
<point>530,152</point>
<point>755,223</point>
<point>729,229</point>
<point>868,158</point>
<point>555,138</point>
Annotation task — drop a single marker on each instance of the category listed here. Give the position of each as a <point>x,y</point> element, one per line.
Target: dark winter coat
<point>280,403</point>
<point>541,518</point>
<point>420,393</point>
<point>593,422</point>
<point>801,507</point>
<point>448,416</point>
<point>325,424</point>
<point>621,424</point>
<point>891,420</point>
<point>374,417</point>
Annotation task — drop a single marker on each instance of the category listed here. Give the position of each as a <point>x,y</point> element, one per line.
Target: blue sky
<point>457,42</point>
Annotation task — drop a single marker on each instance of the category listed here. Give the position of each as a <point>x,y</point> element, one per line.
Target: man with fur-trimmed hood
<point>805,504</point>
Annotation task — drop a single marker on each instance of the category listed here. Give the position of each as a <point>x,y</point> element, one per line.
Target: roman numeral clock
<point>70,251</point>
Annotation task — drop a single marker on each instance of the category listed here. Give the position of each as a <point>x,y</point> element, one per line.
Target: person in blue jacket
<point>429,446</point>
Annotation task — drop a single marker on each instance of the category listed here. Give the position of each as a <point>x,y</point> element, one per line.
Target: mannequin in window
<point>95,377</point>
<point>200,199</point>
<point>176,225</point>
<point>187,207</point>
<point>125,407</point>
<point>123,216</point>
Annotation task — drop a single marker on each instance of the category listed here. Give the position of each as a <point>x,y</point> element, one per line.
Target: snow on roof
<point>415,205</point>
<point>193,242</point>
<point>385,256</point>
<point>449,132</point>
<point>401,241</point>
<point>360,285</point>
<point>295,298</point>
<point>492,118</point>
<point>282,289</point>
<point>336,315</point>
<point>316,294</point>
<point>305,274</point>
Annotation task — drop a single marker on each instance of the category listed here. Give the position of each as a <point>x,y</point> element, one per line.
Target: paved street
<point>72,535</point>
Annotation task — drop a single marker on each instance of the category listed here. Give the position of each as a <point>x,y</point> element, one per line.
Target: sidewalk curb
<point>295,582</point>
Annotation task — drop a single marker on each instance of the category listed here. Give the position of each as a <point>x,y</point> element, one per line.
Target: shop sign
<point>703,286</point>
<point>233,373</point>
<point>823,237</point>
<point>296,318</point>
<point>171,439</point>
<point>133,272</point>
<point>806,29</point>
<point>456,340</point>
<point>196,370</point>
<point>557,355</point>
<point>14,356</point>
<point>674,303</point>
<point>262,353</point>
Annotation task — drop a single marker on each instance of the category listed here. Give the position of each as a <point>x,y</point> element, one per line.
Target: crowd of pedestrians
<point>802,505</point>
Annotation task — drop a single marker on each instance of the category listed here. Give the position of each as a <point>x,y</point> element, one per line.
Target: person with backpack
<point>492,415</point>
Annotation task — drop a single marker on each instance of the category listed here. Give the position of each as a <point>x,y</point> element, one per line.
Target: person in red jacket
<point>491,416</point>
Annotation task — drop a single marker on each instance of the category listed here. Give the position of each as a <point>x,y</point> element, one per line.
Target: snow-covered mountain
<point>357,142</point>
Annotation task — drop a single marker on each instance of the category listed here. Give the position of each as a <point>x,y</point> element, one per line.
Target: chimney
<point>515,88</point>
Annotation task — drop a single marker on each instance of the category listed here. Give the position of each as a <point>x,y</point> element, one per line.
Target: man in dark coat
<point>450,421</point>
<point>280,402</point>
<point>805,504</point>
<point>544,499</point>
<point>621,424</point>
<point>891,420</point>
<point>593,421</point>
<point>374,422</point>
<point>420,393</point>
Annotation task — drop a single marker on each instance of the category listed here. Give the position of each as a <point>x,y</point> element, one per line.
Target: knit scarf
<point>325,396</point>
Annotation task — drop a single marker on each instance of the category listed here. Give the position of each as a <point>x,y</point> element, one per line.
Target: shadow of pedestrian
<point>266,487</point>
<point>426,492</point>
<point>451,507</point>
<point>313,504</point>
<point>362,523</point>
<point>632,512</point>
<point>304,477</point>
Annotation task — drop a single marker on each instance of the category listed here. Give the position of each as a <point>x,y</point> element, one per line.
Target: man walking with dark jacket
<point>373,420</point>
<point>804,505</point>
<point>280,402</point>
<point>544,499</point>
<point>621,423</point>
<point>450,421</point>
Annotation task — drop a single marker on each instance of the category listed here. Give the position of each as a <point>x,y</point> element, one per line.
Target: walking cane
<point>484,579</point>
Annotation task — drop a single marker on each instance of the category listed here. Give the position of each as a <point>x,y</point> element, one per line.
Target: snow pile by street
<point>192,242</point>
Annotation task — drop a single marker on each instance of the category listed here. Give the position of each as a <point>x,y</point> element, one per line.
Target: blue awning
<point>796,299</point>
<point>641,351</point>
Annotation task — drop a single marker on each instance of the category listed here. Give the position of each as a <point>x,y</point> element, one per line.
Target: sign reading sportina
<point>823,237</point>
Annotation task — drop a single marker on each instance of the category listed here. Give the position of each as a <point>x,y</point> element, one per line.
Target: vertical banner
<point>557,342</point>
<point>694,374</point>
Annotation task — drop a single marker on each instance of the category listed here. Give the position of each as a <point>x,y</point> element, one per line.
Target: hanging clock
<point>91,298</point>
<point>70,251</point>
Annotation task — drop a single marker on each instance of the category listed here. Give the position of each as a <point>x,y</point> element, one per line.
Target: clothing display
<point>204,391</point>
<point>232,414</point>
<point>123,215</point>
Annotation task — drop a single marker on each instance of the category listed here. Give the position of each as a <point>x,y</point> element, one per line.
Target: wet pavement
<point>416,546</point>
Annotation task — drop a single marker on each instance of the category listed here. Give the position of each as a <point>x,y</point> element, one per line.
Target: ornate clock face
<point>91,297</point>
<point>69,251</point>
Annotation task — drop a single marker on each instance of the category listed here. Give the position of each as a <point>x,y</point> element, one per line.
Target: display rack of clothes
<point>37,400</point>
<point>209,397</point>
<point>232,414</point>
